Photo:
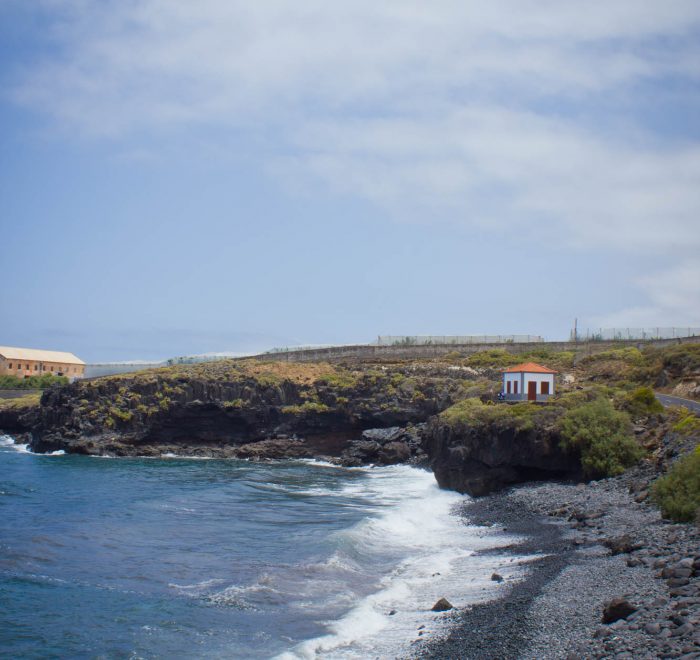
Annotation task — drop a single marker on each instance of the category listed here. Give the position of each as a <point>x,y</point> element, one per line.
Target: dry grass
<point>27,401</point>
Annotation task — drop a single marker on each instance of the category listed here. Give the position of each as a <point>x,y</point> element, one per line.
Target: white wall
<point>524,379</point>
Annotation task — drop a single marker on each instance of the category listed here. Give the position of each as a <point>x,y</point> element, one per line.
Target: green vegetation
<point>639,403</point>
<point>26,401</point>
<point>306,407</point>
<point>603,436</point>
<point>31,383</point>
<point>474,413</point>
<point>342,380</point>
<point>687,423</point>
<point>678,492</point>
<point>497,358</point>
<point>236,404</point>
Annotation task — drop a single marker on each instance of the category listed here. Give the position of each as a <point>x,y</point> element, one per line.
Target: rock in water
<point>496,577</point>
<point>442,605</point>
<point>616,609</point>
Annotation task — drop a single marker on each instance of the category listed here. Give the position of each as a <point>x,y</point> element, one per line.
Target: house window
<point>52,368</point>
<point>545,387</point>
<point>26,366</point>
<point>36,367</point>
<point>9,366</point>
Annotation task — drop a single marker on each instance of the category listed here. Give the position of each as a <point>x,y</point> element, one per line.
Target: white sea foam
<point>9,441</point>
<point>427,553</point>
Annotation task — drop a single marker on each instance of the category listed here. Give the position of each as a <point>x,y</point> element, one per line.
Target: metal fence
<point>431,340</point>
<point>621,334</point>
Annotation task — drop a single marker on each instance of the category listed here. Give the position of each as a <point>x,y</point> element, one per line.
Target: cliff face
<point>480,460</point>
<point>241,410</point>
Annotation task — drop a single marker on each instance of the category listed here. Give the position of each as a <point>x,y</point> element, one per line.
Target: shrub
<point>640,403</point>
<point>473,413</point>
<point>603,436</point>
<point>31,383</point>
<point>678,492</point>
<point>688,424</point>
<point>495,358</point>
<point>306,407</point>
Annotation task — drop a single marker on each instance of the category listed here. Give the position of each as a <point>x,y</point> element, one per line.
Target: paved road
<point>668,400</point>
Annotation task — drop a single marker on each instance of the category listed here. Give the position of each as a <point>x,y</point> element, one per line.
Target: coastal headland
<point>596,451</point>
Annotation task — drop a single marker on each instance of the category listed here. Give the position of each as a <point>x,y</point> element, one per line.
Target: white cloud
<point>492,166</point>
<point>450,109</point>
<point>122,65</point>
<point>674,300</point>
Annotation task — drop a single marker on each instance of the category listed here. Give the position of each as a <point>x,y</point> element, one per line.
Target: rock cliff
<point>245,409</point>
<point>478,460</point>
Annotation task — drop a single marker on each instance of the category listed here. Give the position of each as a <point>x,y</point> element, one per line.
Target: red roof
<point>529,368</point>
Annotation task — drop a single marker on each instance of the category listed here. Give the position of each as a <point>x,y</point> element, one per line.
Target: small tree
<point>603,435</point>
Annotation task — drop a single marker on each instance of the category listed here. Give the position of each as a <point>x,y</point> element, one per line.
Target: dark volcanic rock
<point>477,461</point>
<point>218,409</point>
<point>616,609</point>
<point>385,446</point>
<point>621,544</point>
<point>18,420</point>
<point>442,605</point>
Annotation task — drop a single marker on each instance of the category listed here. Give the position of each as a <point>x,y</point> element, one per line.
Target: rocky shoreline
<point>597,543</point>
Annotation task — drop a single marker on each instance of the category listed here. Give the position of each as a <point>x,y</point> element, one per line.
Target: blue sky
<point>182,177</point>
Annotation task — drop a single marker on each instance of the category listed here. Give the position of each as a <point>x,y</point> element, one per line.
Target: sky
<point>184,177</point>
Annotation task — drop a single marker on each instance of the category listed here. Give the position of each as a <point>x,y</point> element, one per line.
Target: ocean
<point>193,558</point>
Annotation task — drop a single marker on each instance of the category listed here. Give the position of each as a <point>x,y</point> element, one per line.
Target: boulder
<point>496,577</point>
<point>616,609</point>
<point>442,605</point>
<point>621,544</point>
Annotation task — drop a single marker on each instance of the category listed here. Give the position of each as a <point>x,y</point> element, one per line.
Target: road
<point>668,400</point>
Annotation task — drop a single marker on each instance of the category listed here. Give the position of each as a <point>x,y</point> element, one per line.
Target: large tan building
<point>25,362</point>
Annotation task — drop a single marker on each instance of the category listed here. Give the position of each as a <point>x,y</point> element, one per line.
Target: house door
<point>532,391</point>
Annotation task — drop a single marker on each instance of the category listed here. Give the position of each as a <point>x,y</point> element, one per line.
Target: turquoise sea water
<point>164,558</point>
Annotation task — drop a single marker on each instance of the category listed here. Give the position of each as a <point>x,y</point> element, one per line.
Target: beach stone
<point>496,577</point>
<point>442,605</point>
<point>653,628</point>
<point>616,609</point>
<point>678,581</point>
<point>620,544</point>
<point>685,629</point>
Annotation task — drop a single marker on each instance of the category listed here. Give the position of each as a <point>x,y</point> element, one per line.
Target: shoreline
<point>556,610</point>
<point>496,628</point>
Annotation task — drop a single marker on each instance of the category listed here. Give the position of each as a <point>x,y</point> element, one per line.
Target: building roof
<point>529,368</point>
<point>11,353</point>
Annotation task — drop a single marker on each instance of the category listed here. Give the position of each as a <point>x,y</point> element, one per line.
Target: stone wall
<point>372,352</point>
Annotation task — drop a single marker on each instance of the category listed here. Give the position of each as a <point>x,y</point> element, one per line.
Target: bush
<point>640,403</point>
<point>688,424</point>
<point>603,436</point>
<point>472,413</point>
<point>31,383</point>
<point>306,407</point>
<point>678,493</point>
<point>495,358</point>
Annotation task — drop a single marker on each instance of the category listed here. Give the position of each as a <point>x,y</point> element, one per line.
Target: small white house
<point>528,382</point>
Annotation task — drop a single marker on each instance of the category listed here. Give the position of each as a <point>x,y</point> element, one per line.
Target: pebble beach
<point>603,550</point>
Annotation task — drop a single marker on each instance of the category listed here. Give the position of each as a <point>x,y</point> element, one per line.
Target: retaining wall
<point>372,352</point>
